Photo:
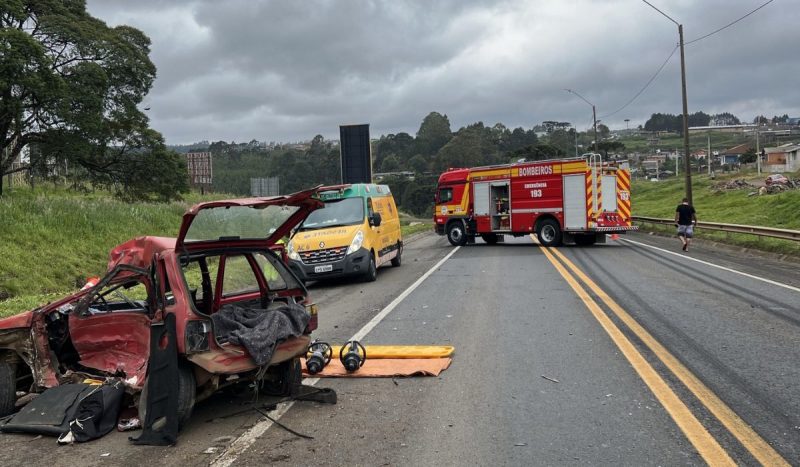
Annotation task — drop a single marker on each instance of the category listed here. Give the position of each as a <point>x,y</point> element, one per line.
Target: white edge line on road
<point>246,439</point>
<point>762,279</point>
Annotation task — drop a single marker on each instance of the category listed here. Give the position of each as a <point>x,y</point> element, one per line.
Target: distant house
<point>701,154</point>
<point>732,155</point>
<point>783,158</point>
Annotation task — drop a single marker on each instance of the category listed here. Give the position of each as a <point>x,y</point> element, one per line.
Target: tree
<point>68,82</point>
<point>603,131</point>
<point>606,146</point>
<point>433,134</point>
<point>724,118</point>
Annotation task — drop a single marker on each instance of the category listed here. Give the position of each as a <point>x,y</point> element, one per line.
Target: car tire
<point>456,234</point>
<point>8,388</point>
<point>187,390</point>
<point>397,261</point>
<point>372,269</point>
<point>289,377</point>
<point>490,239</point>
<point>585,240</point>
<point>549,233</point>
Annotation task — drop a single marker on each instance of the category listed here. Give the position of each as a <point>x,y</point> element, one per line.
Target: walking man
<point>685,219</point>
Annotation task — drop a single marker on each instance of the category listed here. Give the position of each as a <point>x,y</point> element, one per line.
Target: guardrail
<point>730,228</point>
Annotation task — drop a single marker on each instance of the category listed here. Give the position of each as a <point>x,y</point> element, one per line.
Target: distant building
<point>783,158</point>
<point>732,155</point>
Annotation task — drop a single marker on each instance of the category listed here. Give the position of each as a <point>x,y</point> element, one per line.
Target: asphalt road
<point>667,361</point>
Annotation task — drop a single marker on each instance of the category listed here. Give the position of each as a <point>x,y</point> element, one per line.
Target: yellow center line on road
<point>755,444</point>
<point>708,447</point>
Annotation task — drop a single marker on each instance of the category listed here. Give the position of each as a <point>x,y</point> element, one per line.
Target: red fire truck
<point>564,200</point>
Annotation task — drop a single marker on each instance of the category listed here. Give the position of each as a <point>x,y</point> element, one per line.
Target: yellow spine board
<point>403,351</point>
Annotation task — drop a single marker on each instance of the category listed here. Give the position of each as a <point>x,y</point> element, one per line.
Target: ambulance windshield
<point>346,211</point>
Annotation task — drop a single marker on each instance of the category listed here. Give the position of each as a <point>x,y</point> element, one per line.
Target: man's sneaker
<point>685,247</point>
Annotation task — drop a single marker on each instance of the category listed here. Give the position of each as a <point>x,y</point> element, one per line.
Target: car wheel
<point>372,269</point>
<point>288,376</point>
<point>491,239</point>
<point>397,261</point>
<point>549,233</point>
<point>455,234</point>
<point>8,388</point>
<point>585,240</point>
<point>187,390</point>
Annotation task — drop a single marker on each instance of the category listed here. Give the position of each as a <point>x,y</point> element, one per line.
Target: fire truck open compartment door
<point>610,193</point>
<point>575,202</point>
<point>481,200</point>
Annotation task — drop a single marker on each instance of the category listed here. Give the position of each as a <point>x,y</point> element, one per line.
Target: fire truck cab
<point>576,200</point>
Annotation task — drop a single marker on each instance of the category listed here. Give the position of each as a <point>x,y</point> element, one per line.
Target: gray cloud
<point>286,70</point>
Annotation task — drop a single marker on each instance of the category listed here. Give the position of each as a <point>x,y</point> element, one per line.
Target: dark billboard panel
<point>355,153</point>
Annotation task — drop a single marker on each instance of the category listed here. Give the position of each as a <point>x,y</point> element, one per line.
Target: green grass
<point>782,210</point>
<point>52,239</point>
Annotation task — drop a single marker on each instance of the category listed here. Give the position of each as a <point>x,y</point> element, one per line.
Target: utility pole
<point>758,152</point>
<point>687,165</point>
<point>708,154</point>
<point>594,115</point>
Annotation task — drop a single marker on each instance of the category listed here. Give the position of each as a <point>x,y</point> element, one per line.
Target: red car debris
<point>226,255</point>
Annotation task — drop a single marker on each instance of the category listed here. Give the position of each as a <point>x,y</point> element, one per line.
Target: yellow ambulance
<point>356,232</point>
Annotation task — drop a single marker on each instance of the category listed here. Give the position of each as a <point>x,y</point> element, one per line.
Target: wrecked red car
<point>776,179</point>
<point>214,282</point>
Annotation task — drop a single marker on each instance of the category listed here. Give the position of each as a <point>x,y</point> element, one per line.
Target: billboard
<point>200,168</point>
<point>356,155</point>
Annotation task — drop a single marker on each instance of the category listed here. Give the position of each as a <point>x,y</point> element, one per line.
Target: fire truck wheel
<point>585,240</point>
<point>491,239</point>
<point>455,234</point>
<point>549,233</point>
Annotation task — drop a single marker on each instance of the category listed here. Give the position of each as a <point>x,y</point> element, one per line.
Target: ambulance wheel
<point>372,269</point>
<point>455,234</point>
<point>549,233</point>
<point>397,261</point>
<point>491,239</point>
<point>585,240</point>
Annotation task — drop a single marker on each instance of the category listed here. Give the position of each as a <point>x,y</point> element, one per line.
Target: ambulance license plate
<point>323,268</point>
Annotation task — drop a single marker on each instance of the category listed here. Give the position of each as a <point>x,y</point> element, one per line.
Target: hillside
<point>782,210</point>
<point>53,239</point>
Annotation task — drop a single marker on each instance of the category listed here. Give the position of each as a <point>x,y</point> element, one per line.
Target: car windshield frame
<point>336,213</point>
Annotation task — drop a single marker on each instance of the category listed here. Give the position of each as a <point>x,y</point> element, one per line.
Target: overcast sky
<point>288,70</point>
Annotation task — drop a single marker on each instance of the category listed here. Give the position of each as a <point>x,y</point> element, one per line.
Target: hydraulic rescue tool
<point>354,358</point>
<point>318,356</point>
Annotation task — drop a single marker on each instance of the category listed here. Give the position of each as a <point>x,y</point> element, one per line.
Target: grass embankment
<point>51,240</point>
<point>782,210</point>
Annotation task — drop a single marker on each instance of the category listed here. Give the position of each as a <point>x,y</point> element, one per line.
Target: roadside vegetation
<point>658,199</point>
<point>54,238</point>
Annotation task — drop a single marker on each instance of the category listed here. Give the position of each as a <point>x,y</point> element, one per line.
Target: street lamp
<point>594,115</point>
<point>687,166</point>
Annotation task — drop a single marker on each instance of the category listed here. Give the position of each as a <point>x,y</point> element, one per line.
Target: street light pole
<point>687,165</point>
<point>594,115</point>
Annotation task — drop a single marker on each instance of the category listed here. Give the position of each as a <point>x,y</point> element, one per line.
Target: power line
<point>645,86</point>
<point>729,24</point>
